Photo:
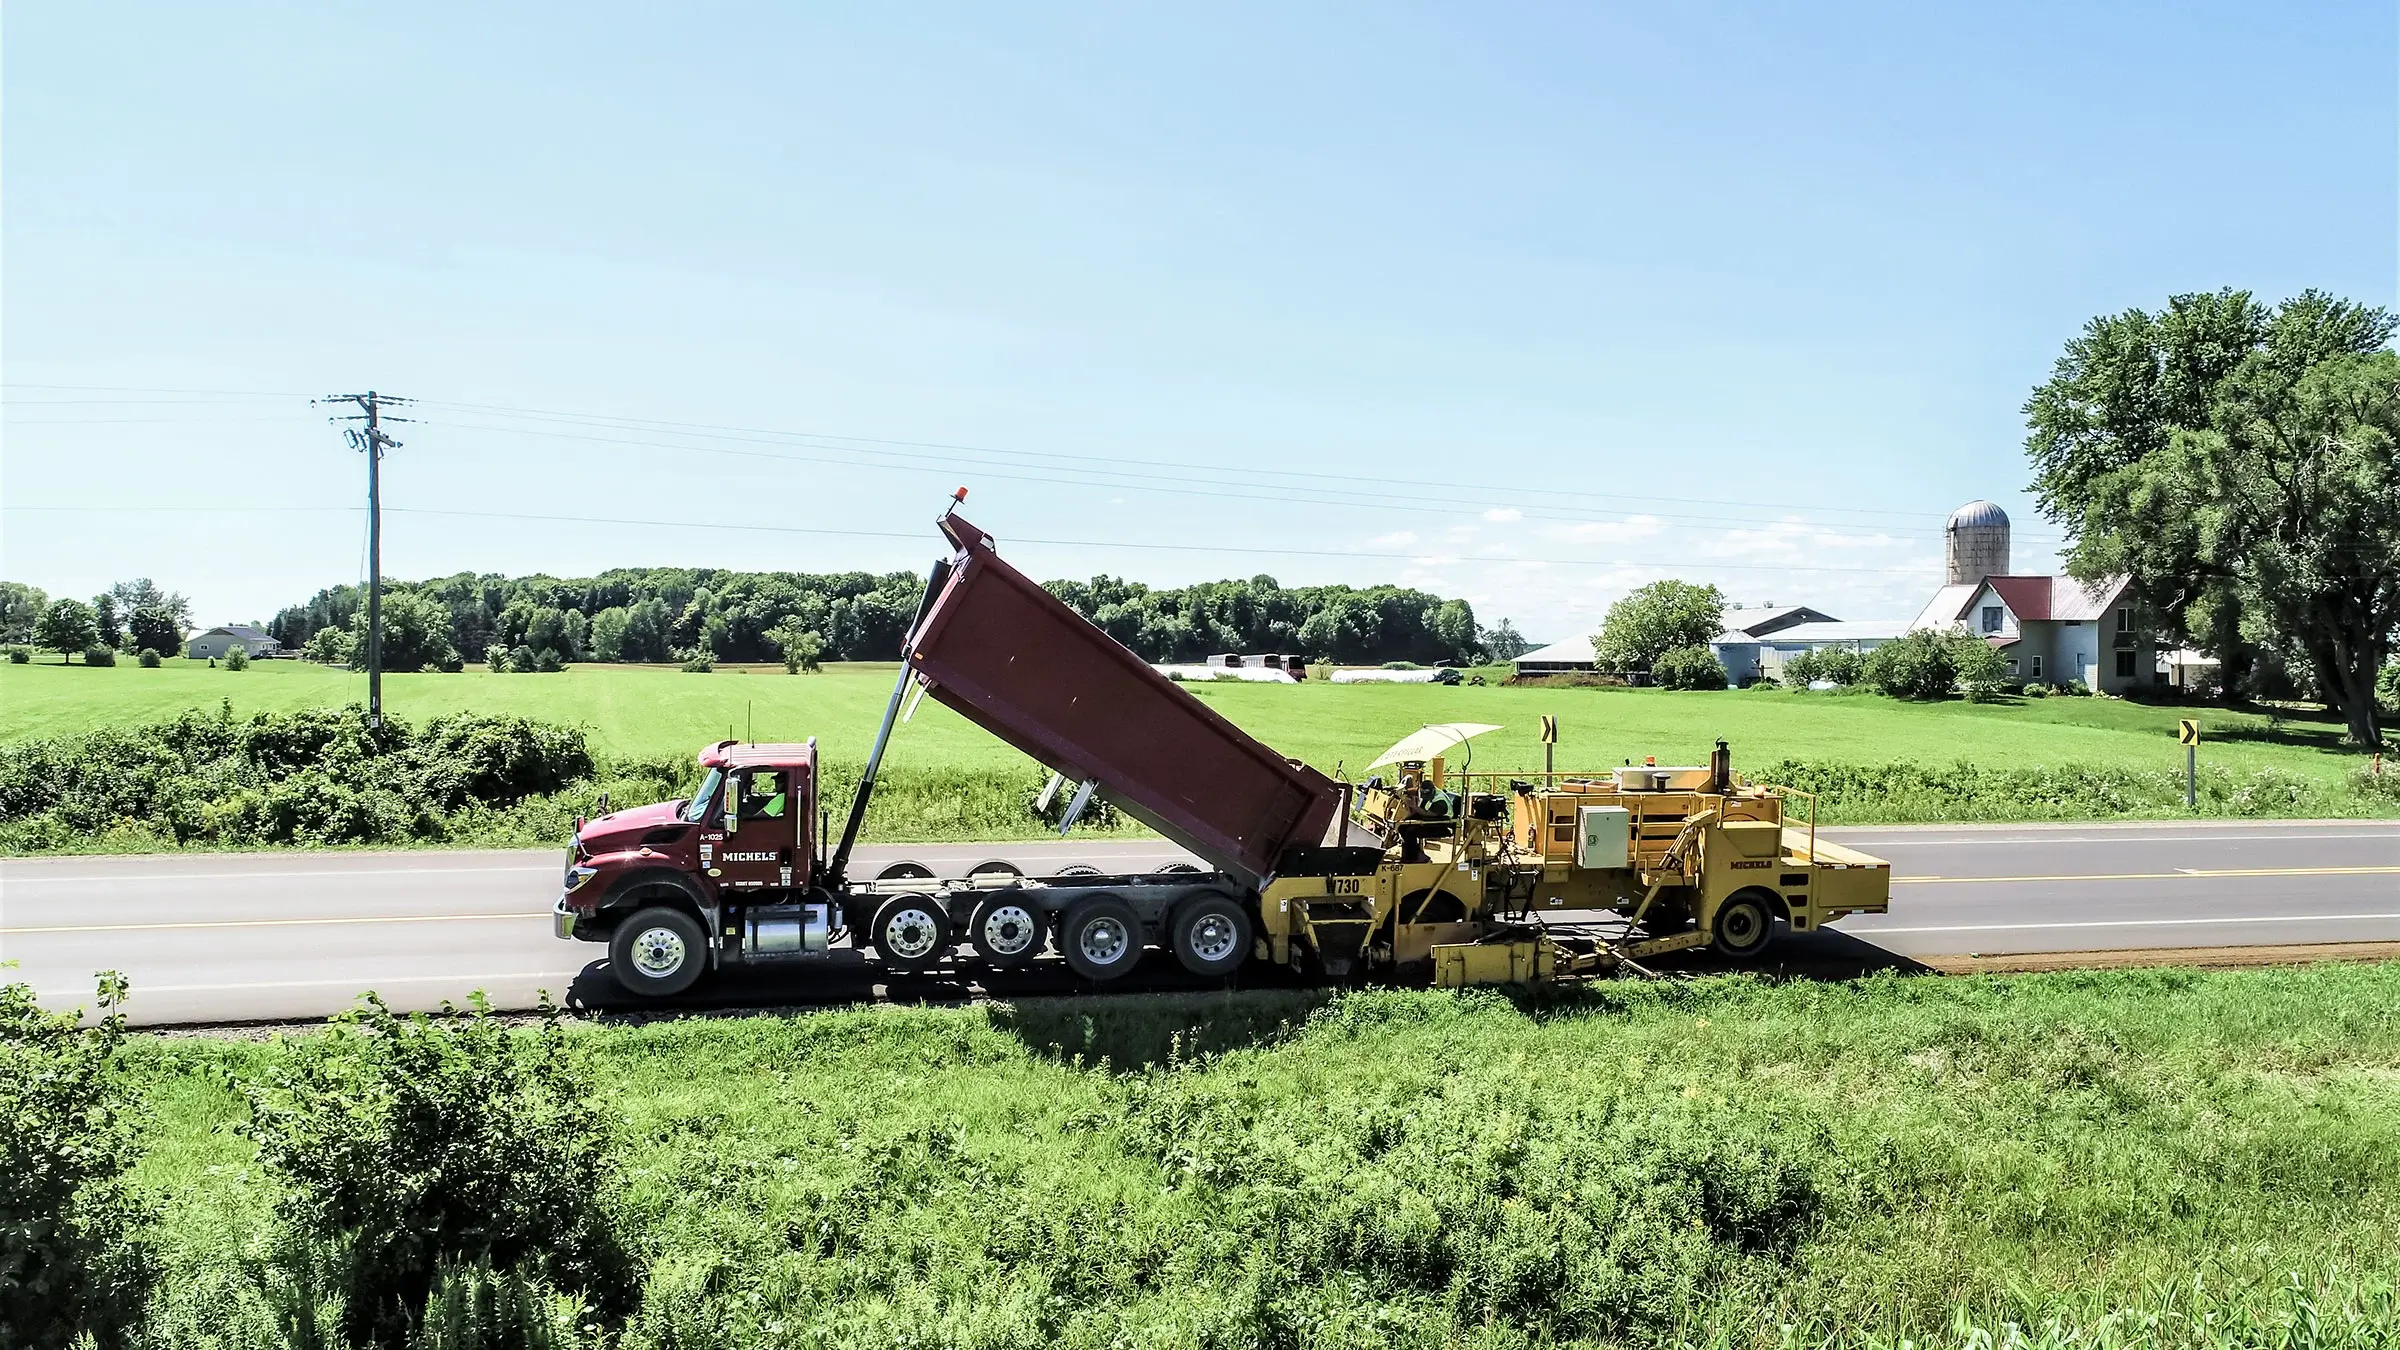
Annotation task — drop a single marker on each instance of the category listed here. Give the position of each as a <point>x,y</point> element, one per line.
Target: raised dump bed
<point>1022,664</point>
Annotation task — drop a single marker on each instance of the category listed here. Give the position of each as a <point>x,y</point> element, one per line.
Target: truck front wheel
<point>1101,938</point>
<point>1744,926</point>
<point>1211,935</point>
<point>658,952</point>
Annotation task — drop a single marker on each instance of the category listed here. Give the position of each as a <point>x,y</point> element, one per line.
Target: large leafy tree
<point>143,593</point>
<point>155,629</point>
<point>416,634</point>
<point>2237,460</point>
<point>108,629</point>
<point>67,627</point>
<point>1656,619</point>
<point>21,607</point>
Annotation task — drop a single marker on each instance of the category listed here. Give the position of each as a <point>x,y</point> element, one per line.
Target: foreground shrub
<point>70,1260</point>
<point>407,1146</point>
<point>149,659</point>
<point>99,656</point>
<point>18,656</point>
<point>237,657</point>
<point>1688,668</point>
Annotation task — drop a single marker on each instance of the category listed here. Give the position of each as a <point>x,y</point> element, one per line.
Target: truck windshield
<point>697,809</point>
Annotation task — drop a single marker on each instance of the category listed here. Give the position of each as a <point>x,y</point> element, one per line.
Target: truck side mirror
<point>733,817</point>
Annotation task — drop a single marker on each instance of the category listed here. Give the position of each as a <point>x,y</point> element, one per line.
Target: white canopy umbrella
<point>1431,742</point>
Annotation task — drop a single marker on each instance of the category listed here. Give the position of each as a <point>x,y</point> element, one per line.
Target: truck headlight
<point>578,875</point>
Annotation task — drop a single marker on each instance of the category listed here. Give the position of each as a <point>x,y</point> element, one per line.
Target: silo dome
<point>1976,543</point>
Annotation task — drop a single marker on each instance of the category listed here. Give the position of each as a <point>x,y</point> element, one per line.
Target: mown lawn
<point>1728,1161</point>
<point>652,711</point>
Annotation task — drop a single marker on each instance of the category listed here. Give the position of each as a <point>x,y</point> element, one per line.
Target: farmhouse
<point>220,640</point>
<point>2051,629</point>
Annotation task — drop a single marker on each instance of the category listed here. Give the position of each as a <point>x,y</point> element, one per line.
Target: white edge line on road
<point>553,869</point>
<point>362,983</point>
<point>1867,932</point>
<point>267,923</point>
<point>2111,839</point>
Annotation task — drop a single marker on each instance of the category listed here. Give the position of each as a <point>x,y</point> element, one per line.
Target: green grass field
<point>655,711</point>
<point>1720,1163</point>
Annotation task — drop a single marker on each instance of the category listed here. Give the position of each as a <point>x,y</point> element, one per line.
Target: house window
<point>2012,665</point>
<point>1991,618</point>
<point>2125,620</point>
<point>2037,667</point>
<point>2124,665</point>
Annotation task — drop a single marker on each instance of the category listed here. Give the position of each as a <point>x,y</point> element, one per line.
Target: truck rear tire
<point>1005,931</point>
<point>1211,935</point>
<point>1101,938</point>
<point>1744,926</point>
<point>658,952</point>
<point>911,933</point>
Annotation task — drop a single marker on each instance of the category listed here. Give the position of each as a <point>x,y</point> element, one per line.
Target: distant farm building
<point>2049,629</point>
<point>214,643</point>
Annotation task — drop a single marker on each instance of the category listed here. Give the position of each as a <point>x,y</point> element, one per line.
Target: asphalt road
<point>255,937</point>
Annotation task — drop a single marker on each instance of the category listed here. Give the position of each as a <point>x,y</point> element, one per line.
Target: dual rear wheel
<point>1101,936</point>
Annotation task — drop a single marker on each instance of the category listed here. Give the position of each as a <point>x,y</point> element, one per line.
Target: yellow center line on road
<point>2179,874</point>
<point>268,923</point>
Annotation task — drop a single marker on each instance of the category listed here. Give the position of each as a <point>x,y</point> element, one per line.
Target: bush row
<point>1908,791</point>
<point>321,777</point>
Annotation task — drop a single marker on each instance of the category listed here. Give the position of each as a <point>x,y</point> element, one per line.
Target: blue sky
<point>1527,303</point>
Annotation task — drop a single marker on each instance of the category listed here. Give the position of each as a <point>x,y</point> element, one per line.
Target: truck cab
<point>738,852</point>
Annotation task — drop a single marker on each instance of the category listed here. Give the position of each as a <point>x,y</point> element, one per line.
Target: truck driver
<point>762,796</point>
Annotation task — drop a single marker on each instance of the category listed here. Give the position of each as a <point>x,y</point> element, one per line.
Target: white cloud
<point>1396,539</point>
<point>1502,515</point>
<point>1602,531</point>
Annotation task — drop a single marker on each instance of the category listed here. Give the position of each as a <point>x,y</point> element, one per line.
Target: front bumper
<point>562,920</point>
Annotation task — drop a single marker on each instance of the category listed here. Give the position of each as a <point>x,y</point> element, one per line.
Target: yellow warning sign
<point>2187,731</point>
<point>1549,731</point>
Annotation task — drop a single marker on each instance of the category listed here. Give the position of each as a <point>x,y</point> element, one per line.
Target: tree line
<point>129,617</point>
<point>711,614</point>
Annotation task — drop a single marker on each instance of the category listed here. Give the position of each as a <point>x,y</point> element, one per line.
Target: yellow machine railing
<point>1787,792</point>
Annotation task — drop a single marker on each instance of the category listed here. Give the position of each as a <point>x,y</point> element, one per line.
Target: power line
<point>718,431</point>
<point>1199,487</point>
<point>1111,467</point>
<point>1419,555</point>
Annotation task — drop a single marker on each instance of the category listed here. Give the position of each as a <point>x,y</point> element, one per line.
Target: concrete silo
<point>1976,541</point>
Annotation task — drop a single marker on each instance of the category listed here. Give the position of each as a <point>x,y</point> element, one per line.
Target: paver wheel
<point>658,952</point>
<point>1744,927</point>
<point>1005,931</point>
<point>1211,934</point>
<point>1101,938</point>
<point>911,932</point>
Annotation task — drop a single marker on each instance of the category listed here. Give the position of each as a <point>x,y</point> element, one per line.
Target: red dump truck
<point>1472,878</point>
<point>742,873</point>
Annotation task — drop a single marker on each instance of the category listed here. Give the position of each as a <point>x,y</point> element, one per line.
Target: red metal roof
<point>2026,597</point>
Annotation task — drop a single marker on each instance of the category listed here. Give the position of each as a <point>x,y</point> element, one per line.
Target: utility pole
<point>372,441</point>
